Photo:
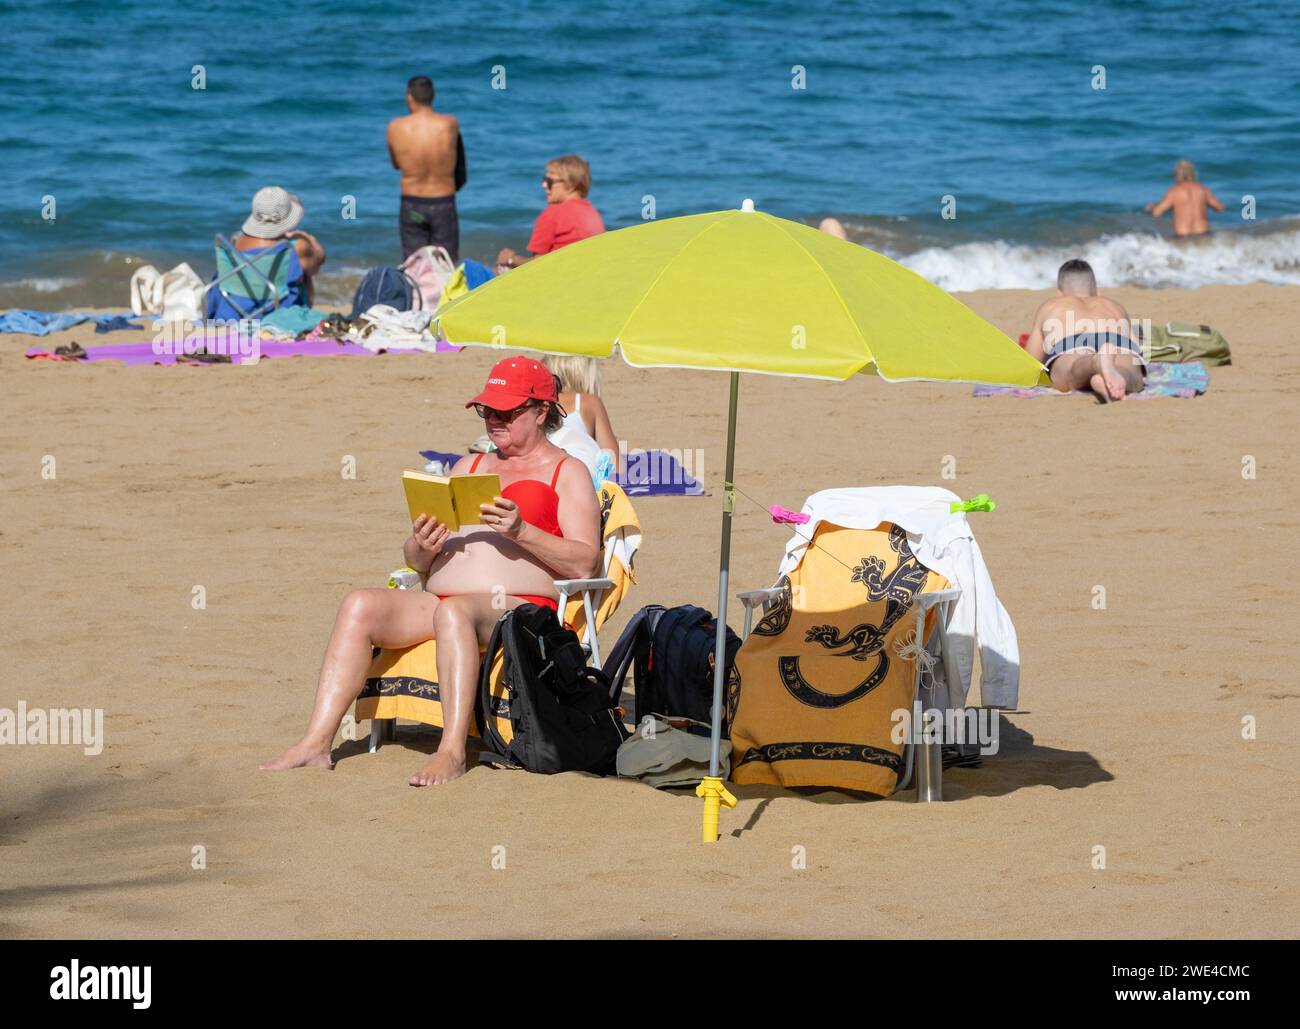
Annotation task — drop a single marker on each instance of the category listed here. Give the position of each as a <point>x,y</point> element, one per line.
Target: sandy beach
<point>1129,737</point>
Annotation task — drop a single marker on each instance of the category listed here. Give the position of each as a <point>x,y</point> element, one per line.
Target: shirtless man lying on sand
<point>1085,339</point>
<point>545,526</point>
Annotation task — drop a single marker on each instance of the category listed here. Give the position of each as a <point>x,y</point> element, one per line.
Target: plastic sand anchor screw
<point>715,795</point>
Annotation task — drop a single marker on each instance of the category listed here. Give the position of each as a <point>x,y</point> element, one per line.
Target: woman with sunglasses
<point>568,216</point>
<point>545,525</point>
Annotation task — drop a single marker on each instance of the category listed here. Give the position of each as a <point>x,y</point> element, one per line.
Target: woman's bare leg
<point>366,619</point>
<point>464,626</point>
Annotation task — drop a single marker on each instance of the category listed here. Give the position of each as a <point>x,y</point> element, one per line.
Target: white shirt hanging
<point>942,541</point>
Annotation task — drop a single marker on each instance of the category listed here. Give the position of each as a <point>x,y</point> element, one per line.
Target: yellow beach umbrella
<point>737,291</point>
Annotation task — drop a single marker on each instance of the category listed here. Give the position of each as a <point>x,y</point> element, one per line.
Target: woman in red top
<point>568,215</point>
<point>544,526</point>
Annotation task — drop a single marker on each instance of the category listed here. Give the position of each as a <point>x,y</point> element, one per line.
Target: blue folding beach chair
<point>251,283</point>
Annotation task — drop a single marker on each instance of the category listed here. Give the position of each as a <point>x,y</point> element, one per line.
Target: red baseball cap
<point>515,380</point>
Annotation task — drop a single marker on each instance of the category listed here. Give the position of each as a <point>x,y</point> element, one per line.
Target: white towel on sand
<point>387,328</point>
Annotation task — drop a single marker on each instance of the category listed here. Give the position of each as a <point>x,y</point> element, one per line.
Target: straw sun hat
<point>275,212</point>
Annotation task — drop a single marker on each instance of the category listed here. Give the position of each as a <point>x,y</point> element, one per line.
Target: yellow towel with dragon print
<point>820,677</point>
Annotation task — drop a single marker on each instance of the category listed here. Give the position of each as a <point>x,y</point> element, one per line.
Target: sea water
<point>1043,127</point>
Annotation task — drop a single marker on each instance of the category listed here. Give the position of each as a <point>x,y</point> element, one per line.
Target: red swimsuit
<point>539,505</point>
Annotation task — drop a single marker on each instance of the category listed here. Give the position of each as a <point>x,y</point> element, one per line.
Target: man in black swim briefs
<point>429,221</point>
<point>1086,341</point>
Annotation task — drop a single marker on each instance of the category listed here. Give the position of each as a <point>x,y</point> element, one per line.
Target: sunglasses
<point>548,182</point>
<point>483,411</point>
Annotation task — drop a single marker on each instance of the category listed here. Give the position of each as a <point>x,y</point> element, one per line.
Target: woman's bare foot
<point>301,755</point>
<point>443,767</point>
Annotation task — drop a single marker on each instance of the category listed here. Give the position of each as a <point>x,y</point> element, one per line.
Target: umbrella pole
<point>711,789</point>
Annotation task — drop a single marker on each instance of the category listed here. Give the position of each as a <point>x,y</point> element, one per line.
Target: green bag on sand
<point>1179,342</point>
<point>662,753</point>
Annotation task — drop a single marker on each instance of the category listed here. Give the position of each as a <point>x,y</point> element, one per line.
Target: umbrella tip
<point>747,205</point>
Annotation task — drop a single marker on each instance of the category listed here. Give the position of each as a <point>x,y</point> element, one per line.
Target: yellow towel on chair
<point>404,684</point>
<point>820,677</point>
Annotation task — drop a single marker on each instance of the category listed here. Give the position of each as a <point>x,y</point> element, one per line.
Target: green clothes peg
<point>979,503</point>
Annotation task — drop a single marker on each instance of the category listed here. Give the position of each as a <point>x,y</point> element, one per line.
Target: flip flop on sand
<point>72,351</point>
<point>954,758</point>
<point>335,327</point>
<point>203,357</point>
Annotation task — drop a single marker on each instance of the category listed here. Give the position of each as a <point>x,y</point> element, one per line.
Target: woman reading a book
<point>544,525</point>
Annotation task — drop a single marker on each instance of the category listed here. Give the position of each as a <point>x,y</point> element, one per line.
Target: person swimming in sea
<point>1188,199</point>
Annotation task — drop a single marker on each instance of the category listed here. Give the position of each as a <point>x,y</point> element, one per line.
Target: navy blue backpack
<point>670,653</point>
<point>390,286</point>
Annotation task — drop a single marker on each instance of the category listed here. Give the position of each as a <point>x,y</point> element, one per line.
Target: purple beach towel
<point>142,353</point>
<point>657,473</point>
<point>650,473</point>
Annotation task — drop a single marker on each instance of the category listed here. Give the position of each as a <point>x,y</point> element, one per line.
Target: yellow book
<point>452,499</point>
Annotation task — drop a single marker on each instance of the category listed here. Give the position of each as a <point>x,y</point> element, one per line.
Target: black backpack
<point>562,713</point>
<point>390,286</point>
<point>670,652</point>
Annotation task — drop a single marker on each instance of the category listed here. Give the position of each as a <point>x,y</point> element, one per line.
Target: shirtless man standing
<point>426,148</point>
<point>1189,199</point>
<point>1085,339</point>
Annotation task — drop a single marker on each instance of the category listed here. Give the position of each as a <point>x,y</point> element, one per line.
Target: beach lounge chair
<point>819,679</point>
<point>404,683</point>
<point>249,284</point>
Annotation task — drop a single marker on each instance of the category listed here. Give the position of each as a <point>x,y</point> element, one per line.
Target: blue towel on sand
<point>476,274</point>
<point>656,473</point>
<point>107,323</point>
<point>447,460</point>
<point>42,323</point>
<point>294,320</point>
<point>1162,380</point>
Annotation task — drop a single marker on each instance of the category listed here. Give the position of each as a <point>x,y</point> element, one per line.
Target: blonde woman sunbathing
<point>544,526</point>
<point>585,431</point>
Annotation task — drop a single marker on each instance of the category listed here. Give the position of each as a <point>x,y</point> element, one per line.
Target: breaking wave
<point>1130,259</point>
